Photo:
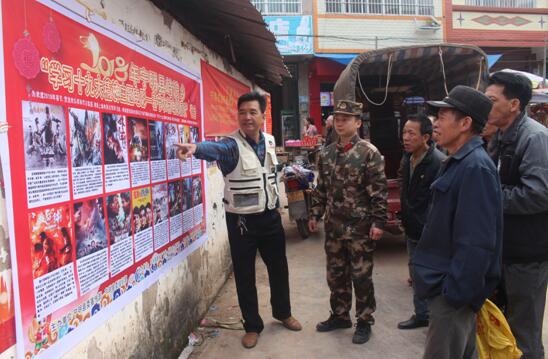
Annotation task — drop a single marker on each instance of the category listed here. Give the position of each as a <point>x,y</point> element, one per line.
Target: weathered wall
<point>158,322</point>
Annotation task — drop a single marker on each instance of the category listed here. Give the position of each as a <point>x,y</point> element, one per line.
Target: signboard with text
<point>294,35</point>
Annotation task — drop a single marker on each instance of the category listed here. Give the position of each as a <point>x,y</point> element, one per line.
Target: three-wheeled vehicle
<point>538,106</point>
<point>393,83</point>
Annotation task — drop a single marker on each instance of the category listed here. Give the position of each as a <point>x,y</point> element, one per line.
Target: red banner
<point>100,201</point>
<point>268,115</point>
<point>221,93</point>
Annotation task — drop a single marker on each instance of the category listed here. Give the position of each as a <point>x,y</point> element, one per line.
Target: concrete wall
<point>157,323</point>
<point>355,33</point>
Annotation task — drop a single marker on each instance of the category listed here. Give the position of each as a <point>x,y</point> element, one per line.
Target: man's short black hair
<point>515,86</point>
<point>253,96</point>
<point>426,124</point>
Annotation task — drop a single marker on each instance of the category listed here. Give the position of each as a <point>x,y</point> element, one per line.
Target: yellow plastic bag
<point>494,340</point>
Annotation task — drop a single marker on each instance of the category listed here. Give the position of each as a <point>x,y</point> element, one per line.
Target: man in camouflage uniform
<point>351,192</point>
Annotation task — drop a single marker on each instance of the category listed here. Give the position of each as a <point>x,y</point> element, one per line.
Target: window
<point>408,7</point>
<point>375,6</point>
<point>333,6</point>
<point>388,7</point>
<point>503,3</point>
<point>356,6</point>
<point>267,7</point>
<point>392,7</point>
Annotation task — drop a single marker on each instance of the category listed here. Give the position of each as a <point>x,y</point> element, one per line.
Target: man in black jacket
<point>520,151</point>
<point>421,163</point>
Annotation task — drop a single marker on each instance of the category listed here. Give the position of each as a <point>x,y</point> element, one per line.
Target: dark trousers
<point>262,232</point>
<point>421,305</point>
<point>526,294</point>
<point>451,333</point>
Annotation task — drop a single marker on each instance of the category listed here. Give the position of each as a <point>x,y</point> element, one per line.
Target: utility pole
<point>544,65</point>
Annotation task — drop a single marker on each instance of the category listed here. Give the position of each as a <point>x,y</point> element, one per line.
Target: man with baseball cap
<point>457,261</point>
<point>352,194</point>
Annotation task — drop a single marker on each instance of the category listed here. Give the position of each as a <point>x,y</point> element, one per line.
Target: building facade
<point>336,31</point>
<point>515,31</point>
<point>512,32</point>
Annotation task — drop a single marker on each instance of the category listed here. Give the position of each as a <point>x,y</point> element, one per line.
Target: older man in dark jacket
<point>520,150</point>
<point>420,165</point>
<point>458,259</point>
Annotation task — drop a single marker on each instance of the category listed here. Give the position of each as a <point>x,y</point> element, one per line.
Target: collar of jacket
<point>511,133</point>
<point>349,145</point>
<point>249,139</point>
<point>468,147</point>
<point>427,156</point>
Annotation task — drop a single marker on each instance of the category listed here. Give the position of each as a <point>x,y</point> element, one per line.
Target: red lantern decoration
<point>26,57</point>
<point>51,36</point>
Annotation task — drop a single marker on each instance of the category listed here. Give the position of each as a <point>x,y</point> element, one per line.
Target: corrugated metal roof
<point>235,30</point>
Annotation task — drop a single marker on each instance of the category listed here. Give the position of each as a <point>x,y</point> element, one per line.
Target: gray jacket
<point>521,156</point>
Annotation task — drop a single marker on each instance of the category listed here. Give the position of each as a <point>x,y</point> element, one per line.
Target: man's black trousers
<point>247,234</point>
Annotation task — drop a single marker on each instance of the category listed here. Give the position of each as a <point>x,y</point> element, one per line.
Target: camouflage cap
<point>348,107</point>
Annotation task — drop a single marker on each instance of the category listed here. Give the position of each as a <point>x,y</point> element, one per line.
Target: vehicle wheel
<point>302,227</point>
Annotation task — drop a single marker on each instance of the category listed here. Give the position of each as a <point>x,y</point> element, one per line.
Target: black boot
<point>362,333</point>
<point>413,323</point>
<point>333,323</point>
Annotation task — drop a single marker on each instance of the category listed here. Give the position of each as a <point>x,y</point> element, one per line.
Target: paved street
<point>310,301</point>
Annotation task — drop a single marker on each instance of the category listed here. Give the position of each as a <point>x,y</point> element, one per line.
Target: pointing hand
<point>185,150</point>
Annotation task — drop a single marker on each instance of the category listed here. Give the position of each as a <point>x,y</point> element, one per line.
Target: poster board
<point>100,205</point>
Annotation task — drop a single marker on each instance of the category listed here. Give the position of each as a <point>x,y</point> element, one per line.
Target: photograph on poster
<point>184,137</point>
<point>50,237</point>
<point>115,144</point>
<point>171,140</point>
<point>89,227</point>
<point>85,138</point>
<point>194,134</point>
<point>196,190</point>
<point>174,198</point>
<point>138,139</point>
<point>119,216</point>
<point>44,135</point>
<point>156,140</point>
<point>159,202</point>
<point>142,210</point>
<point>187,193</point>
<point>184,134</point>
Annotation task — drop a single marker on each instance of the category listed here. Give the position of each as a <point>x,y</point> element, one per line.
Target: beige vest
<point>251,187</point>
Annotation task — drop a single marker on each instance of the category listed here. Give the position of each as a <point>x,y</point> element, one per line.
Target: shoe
<point>292,324</point>
<point>250,340</point>
<point>413,323</point>
<point>333,323</point>
<point>362,333</point>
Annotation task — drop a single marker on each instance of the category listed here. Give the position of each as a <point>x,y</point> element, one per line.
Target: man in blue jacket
<point>458,259</point>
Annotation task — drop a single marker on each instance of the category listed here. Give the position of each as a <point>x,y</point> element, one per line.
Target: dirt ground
<point>310,304</point>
